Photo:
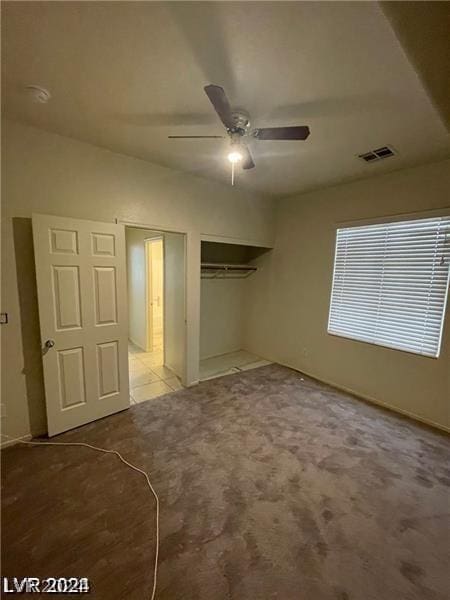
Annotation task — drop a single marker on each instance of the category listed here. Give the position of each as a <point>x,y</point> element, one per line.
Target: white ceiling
<point>124,75</point>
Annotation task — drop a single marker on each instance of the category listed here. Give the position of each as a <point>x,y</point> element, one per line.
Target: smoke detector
<point>38,94</point>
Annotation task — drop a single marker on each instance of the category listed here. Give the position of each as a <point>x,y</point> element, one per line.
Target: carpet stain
<point>424,481</point>
<point>327,515</point>
<point>411,571</point>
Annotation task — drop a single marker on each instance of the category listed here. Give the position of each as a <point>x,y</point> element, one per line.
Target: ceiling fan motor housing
<point>241,122</point>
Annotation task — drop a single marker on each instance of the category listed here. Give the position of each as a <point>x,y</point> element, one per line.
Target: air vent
<point>377,154</point>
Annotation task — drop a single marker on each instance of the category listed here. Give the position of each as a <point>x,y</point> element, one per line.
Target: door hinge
<point>3,318</point>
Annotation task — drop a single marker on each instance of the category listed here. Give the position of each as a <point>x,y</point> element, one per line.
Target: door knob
<point>49,343</point>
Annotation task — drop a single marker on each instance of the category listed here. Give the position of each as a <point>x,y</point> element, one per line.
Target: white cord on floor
<point>155,570</point>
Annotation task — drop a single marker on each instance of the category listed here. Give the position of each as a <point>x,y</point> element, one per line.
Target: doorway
<point>156,301</point>
<point>154,271</point>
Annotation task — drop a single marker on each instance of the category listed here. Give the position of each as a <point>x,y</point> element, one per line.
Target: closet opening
<point>226,274</point>
<point>156,312</point>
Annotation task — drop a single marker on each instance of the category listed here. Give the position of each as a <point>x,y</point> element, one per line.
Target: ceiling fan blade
<point>189,137</point>
<point>247,160</point>
<point>218,99</point>
<point>297,132</point>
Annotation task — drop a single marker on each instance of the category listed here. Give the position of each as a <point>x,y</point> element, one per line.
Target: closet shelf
<point>226,271</point>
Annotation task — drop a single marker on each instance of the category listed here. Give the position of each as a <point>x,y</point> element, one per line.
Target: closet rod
<point>228,267</point>
<point>213,270</point>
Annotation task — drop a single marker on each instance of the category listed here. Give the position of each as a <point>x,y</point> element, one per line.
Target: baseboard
<point>168,366</point>
<point>221,354</point>
<point>136,344</point>
<point>12,442</point>
<point>370,400</point>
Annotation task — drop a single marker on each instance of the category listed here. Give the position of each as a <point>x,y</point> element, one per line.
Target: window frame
<point>403,218</point>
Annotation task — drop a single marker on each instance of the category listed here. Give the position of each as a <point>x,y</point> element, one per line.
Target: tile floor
<point>149,378</point>
<point>225,364</point>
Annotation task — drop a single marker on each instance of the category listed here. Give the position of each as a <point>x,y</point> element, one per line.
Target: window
<point>390,284</point>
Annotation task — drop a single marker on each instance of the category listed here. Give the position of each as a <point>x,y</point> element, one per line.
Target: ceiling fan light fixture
<point>235,156</point>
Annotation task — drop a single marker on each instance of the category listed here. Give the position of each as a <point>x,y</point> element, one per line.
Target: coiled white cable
<point>128,464</point>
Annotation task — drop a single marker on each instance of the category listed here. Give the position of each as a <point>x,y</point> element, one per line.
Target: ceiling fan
<point>237,124</point>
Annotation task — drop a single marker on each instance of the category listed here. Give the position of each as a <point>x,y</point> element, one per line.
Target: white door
<point>155,286</point>
<point>81,283</point>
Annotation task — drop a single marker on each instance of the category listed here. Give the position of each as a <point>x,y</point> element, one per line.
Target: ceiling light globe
<point>234,156</point>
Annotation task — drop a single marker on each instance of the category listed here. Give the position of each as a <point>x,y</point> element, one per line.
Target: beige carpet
<point>270,487</point>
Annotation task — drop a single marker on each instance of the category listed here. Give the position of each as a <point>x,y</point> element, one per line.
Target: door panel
<point>105,295</point>
<point>71,377</point>
<point>108,369</point>
<point>66,295</point>
<point>81,281</point>
<point>63,241</point>
<point>103,244</point>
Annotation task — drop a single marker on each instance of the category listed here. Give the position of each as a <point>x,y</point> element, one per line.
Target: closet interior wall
<point>223,299</point>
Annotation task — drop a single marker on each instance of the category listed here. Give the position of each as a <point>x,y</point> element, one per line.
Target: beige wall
<point>174,303</point>
<point>287,304</point>
<point>290,294</point>
<point>221,316</point>
<point>137,286</point>
<point>51,174</point>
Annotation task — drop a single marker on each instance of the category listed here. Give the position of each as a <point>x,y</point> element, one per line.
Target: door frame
<point>149,294</point>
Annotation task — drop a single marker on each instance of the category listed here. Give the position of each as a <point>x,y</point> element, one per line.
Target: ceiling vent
<point>377,154</point>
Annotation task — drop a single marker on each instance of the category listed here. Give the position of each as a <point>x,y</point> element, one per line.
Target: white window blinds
<point>390,284</point>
